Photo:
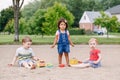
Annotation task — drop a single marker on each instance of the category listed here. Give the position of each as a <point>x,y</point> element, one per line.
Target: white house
<point>115,11</point>
<point>87,20</point>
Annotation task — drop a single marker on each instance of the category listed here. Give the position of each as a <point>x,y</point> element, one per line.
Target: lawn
<point>77,39</point>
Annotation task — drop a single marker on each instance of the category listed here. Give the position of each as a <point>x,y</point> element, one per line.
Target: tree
<point>9,27</point>
<point>44,4</point>
<point>109,3</point>
<point>22,29</point>
<point>75,7</point>
<point>23,26</point>
<point>35,22</point>
<point>6,15</point>
<point>107,21</point>
<point>53,14</point>
<point>17,6</point>
<point>30,9</point>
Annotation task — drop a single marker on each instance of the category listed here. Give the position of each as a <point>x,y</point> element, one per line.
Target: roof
<point>114,10</point>
<point>94,14</point>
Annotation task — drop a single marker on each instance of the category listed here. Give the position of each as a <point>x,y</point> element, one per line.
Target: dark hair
<point>62,20</point>
<point>26,39</point>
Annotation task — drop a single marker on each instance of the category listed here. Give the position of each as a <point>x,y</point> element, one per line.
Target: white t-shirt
<point>57,33</point>
<point>23,53</point>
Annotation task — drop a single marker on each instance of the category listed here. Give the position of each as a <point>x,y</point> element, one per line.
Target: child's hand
<point>72,45</point>
<point>52,46</point>
<point>10,64</point>
<point>95,62</point>
<point>36,58</point>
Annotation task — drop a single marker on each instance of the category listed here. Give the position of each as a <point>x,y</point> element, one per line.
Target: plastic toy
<point>41,63</point>
<point>73,61</point>
<point>49,65</point>
<point>61,65</point>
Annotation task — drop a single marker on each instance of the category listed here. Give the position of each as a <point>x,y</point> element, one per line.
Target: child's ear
<point>23,43</point>
<point>96,41</point>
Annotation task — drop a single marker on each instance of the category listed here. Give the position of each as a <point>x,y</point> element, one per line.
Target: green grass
<point>77,39</point>
<point>117,34</point>
<point>101,40</point>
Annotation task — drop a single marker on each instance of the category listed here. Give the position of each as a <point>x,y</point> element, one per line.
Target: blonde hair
<point>93,39</point>
<point>26,39</point>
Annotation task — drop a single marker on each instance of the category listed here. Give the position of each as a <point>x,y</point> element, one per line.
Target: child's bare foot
<point>79,62</point>
<point>68,65</point>
<point>33,66</point>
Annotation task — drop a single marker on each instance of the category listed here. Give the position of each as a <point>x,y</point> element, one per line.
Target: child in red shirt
<point>95,56</point>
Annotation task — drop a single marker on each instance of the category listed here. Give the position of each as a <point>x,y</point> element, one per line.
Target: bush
<point>77,31</point>
<point>88,32</point>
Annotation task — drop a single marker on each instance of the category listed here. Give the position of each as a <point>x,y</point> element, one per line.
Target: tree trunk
<point>107,33</point>
<point>16,22</point>
<point>16,7</point>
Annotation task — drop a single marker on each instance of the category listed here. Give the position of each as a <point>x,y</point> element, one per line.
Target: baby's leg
<point>83,65</point>
<point>26,65</point>
<point>31,64</point>
<point>60,58</point>
<point>67,59</point>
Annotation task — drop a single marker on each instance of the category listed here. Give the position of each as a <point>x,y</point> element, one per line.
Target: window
<point>84,17</point>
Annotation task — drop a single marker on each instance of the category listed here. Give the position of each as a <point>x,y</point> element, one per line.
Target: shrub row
<point>77,31</point>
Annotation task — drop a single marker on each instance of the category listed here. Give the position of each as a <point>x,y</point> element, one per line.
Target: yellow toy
<point>73,61</point>
<point>41,63</point>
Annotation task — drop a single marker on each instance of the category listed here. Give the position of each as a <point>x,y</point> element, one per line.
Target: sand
<point>110,69</point>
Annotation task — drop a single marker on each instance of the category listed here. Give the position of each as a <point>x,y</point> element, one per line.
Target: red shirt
<point>94,54</point>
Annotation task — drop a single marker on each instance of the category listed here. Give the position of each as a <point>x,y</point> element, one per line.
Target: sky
<point>6,3</point>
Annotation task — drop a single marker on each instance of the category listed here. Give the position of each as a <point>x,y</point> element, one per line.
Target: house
<point>115,11</point>
<point>87,20</point>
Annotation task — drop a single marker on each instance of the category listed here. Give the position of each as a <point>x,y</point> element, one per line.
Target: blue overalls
<point>63,43</point>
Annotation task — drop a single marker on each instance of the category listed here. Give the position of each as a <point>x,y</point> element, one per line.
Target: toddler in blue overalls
<point>63,40</point>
